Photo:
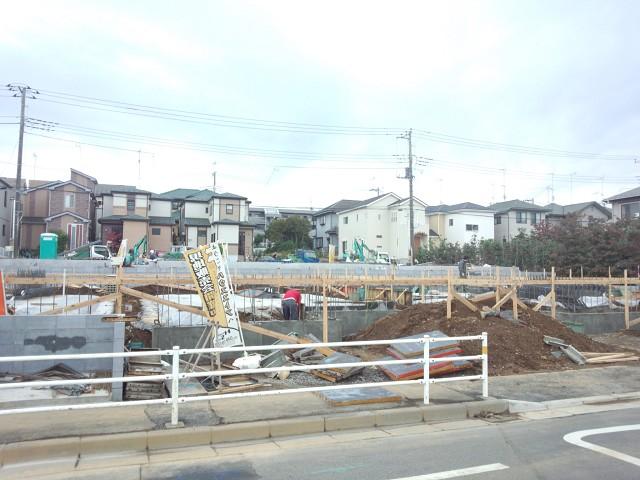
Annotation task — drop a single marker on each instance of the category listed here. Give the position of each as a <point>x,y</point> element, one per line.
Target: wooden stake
<point>626,300</point>
<point>449,296</point>
<point>497,284</point>
<point>553,293</point>
<point>514,299</point>
<point>325,315</point>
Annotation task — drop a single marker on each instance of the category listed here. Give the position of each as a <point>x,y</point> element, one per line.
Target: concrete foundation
<point>62,334</point>
<point>594,323</point>
<point>345,323</point>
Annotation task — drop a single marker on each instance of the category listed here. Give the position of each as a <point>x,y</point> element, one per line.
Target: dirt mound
<point>513,347</point>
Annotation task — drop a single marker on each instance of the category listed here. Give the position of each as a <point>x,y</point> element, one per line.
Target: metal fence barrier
<point>176,352</point>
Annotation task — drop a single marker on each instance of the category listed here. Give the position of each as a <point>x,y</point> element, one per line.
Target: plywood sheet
<point>358,396</point>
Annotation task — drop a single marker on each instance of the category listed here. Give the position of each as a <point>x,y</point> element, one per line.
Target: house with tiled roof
<point>515,216</point>
<point>205,216</point>
<point>462,222</point>
<point>58,205</point>
<point>325,224</point>
<point>585,212</point>
<point>625,205</point>
<point>382,222</point>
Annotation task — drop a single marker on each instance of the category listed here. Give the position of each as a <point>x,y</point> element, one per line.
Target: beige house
<point>126,212</point>
<point>516,216</point>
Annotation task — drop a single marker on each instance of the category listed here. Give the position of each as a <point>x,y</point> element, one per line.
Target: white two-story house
<point>383,223</point>
<point>625,205</point>
<point>326,226</point>
<point>461,223</point>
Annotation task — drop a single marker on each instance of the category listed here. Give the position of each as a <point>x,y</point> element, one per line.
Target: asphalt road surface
<point>594,446</point>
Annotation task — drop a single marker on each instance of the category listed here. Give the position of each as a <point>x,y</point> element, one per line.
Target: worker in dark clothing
<point>291,304</point>
<point>462,266</point>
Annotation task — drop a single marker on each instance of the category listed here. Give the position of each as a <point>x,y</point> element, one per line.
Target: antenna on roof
<point>213,174</point>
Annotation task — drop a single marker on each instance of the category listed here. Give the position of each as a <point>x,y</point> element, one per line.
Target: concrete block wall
<point>595,323</point>
<point>62,334</point>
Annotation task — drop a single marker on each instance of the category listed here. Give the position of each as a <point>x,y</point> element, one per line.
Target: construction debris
<point>338,374</point>
<point>59,371</point>
<point>147,390</point>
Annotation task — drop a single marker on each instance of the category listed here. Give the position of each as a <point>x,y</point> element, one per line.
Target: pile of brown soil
<point>513,347</point>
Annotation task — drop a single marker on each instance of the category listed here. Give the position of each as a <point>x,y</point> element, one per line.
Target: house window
<point>521,217</point>
<point>498,219</point>
<point>131,205</point>
<point>5,198</point>
<point>4,230</point>
<point>535,218</point>
<point>471,228</point>
<point>322,220</point>
<point>155,231</point>
<point>451,222</point>
<point>319,242</point>
<point>378,236</point>
<point>69,200</point>
<point>213,237</point>
<point>202,236</point>
<point>630,210</point>
<point>206,209</point>
<point>345,220</point>
<point>344,246</point>
<point>229,208</point>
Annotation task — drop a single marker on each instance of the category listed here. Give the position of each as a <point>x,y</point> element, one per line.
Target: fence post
<point>425,368</point>
<point>175,382</point>
<point>627,300</point>
<point>485,365</point>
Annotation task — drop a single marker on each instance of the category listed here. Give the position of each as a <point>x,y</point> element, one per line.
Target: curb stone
<point>157,440</point>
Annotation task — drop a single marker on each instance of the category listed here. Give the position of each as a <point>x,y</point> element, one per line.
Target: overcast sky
<point>551,75</point>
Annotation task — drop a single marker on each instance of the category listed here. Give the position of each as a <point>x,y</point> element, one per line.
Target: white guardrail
<point>175,400</point>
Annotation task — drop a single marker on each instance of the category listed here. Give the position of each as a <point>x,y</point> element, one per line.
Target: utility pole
<point>409,176</point>
<point>22,91</point>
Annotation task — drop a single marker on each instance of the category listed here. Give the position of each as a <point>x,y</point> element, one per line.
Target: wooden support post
<point>611,306</point>
<point>502,301</point>
<point>497,284</point>
<point>85,303</point>
<point>541,302</point>
<point>626,300</point>
<point>449,294</point>
<point>514,299</point>
<point>553,293</point>
<point>325,315</point>
<point>465,302</point>
<point>118,306</point>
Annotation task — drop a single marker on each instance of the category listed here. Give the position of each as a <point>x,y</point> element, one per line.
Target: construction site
<point>534,323</point>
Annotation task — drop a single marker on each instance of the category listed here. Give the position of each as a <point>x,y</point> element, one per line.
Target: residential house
<point>625,205</point>
<point>585,212</point>
<point>51,206</point>
<point>326,225</point>
<point>382,222</point>
<point>462,222</point>
<point>205,216</point>
<point>261,217</point>
<point>7,195</point>
<point>515,216</point>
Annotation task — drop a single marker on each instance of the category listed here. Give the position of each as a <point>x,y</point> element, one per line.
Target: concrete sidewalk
<point>29,437</point>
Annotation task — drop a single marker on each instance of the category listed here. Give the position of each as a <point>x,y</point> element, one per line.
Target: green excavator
<point>134,254</point>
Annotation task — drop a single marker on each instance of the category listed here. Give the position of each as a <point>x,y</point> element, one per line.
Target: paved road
<point>515,450</point>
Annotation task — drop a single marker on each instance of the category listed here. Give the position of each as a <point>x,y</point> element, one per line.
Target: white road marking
<point>462,472</point>
<point>576,438</point>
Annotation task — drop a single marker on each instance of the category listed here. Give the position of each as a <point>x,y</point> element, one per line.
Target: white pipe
<point>456,359</point>
<point>301,368</point>
<point>297,390</point>
<point>455,379</point>
<point>86,406</point>
<point>87,381</point>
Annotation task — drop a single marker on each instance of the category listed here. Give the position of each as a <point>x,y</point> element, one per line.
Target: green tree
<point>63,240</point>
<point>258,239</point>
<point>292,232</point>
